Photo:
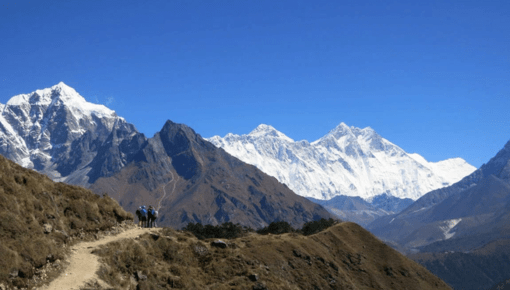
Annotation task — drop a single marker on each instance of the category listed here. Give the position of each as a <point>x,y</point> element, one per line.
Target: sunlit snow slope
<point>346,161</point>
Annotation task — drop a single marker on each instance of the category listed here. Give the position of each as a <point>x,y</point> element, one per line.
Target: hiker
<point>153,215</point>
<point>143,216</point>
<point>138,213</point>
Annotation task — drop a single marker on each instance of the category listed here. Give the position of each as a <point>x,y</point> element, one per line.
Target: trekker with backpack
<point>153,215</point>
<point>143,216</point>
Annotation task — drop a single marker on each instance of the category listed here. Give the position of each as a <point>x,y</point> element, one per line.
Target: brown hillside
<point>344,256</point>
<point>39,218</point>
<point>190,180</point>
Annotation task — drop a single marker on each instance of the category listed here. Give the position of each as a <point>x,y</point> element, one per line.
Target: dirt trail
<point>164,190</point>
<point>83,265</point>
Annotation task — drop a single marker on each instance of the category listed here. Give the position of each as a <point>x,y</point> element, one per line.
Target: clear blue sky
<point>430,76</point>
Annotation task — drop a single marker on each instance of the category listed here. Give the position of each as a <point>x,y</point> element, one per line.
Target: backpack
<point>153,212</point>
<point>144,212</point>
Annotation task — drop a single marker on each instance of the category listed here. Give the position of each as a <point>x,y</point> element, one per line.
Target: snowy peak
<point>264,130</point>
<point>60,95</point>
<point>339,131</point>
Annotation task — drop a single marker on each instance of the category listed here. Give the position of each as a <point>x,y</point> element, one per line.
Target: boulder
<point>140,276</point>
<point>219,244</point>
<point>47,228</point>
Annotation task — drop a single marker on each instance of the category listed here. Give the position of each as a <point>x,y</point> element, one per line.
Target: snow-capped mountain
<point>347,161</point>
<point>57,132</point>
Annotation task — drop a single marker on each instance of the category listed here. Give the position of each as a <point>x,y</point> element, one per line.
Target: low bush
<point>314,227</point>
<point>277,228</point>
<point>226,230</point>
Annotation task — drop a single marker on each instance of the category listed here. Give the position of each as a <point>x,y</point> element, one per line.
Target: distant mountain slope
<point>39,218</point>
<point>479,269</point>
<point>190,180</point>
<point>57,132</point>
<point>356,209</point>
<point>461,217</point>
<point>347,161</point>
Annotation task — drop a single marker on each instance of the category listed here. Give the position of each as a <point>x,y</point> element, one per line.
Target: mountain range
<point>354,173</point>
<point>56,132</point>
<point>346,161</point>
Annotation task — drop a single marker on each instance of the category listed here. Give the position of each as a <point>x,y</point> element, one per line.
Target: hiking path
<point>83,265</point>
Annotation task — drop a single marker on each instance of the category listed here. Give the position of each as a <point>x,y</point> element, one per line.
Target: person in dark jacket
<point>152,216</point>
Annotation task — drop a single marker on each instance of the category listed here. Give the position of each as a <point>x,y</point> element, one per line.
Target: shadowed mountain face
<point>478,269</point>
<point>190,180</point>
<point>474,210</point>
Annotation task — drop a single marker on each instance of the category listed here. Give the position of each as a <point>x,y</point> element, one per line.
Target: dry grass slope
<point>38,218</point>
<point>344,256</point>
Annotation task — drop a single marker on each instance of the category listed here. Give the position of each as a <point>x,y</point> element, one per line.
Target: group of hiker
<point>147,217</point>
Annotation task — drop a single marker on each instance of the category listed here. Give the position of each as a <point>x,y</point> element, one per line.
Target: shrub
<point>277,228</point>
<point>314,227</point>
<point>226,230</point>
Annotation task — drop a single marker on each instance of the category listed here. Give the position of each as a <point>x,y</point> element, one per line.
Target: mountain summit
<point>268,130</point>
<point>57,132</point>
<point>346,161</point>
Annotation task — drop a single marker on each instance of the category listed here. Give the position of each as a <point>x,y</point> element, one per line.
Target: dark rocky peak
<point>178,138</point>
<point>122,146</point>
<point>185,147</point>
<point>498,165</point>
